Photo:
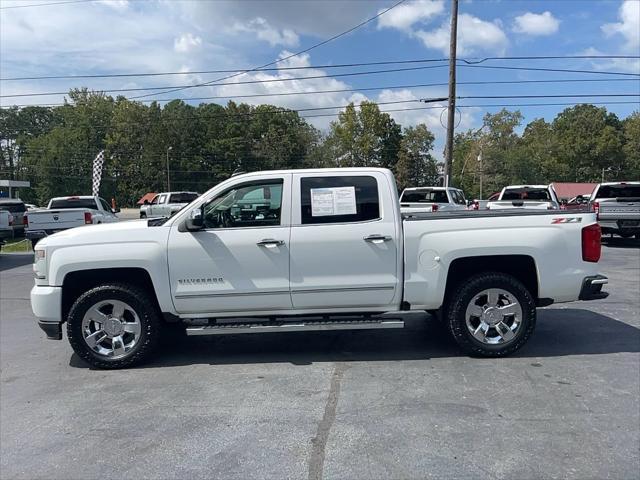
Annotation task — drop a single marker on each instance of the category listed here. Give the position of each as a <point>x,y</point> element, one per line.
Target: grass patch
<point>17,245</point>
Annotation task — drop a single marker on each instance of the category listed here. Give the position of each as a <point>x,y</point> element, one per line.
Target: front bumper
<point>592,288</point>
<point>46,303</point>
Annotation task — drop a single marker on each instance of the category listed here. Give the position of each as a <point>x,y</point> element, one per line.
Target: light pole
<point>168,177</point>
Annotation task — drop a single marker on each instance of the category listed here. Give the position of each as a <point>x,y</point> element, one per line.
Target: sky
<point>97,37</point>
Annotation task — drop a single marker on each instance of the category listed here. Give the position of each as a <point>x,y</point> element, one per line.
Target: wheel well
<point>522,267</point>
<point>76,283</point>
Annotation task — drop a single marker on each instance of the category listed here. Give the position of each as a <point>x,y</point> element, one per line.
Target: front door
<point>344,248</point>
<point>240,261</point>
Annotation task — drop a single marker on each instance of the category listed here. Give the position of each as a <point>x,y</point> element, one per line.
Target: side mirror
<point>195,220</point>
<point>146,202</point>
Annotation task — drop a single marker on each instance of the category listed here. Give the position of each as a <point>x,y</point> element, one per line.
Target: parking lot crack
<point>319,442</point>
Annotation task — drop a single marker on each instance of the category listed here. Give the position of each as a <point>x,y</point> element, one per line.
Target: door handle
<point>376,238</point>
<point>270,242</point>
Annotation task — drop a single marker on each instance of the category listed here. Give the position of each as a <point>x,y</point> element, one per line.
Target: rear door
<point>344,246</point>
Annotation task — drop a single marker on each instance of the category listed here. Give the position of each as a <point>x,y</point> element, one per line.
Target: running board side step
<point>233,329</point>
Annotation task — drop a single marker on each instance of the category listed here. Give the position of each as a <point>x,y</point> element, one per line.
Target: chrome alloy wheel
<point>493,316</point>
<point>111,328</point>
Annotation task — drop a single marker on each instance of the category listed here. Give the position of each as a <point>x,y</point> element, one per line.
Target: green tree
<point>416,166</point>
<point>631,147</point>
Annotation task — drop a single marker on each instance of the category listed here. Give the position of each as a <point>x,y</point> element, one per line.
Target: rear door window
<point>526,194</point>
<point>339,199</point>
<point>425,196</point>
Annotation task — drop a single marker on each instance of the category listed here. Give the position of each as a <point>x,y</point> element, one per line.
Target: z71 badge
<point>566,220</point>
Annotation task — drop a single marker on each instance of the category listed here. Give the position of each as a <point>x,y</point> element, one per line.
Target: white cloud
<point>404,16</point>
<point>261,28</point>
<point>474,35</point>
<point>186,43</point>
<point>120,5</point>
<point>629,25</point>
<point>536,24</point>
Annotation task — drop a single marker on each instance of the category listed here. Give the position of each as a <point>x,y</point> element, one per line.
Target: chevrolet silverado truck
<point>617,206</point>
<point>166,204</point>
<point>431,199</point>
<point>528,197</point>
<point>63,213</point>
<point>306,250</point>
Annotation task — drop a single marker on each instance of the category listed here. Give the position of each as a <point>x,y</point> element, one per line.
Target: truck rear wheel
<point>114,326</point>
<point>491,315</point>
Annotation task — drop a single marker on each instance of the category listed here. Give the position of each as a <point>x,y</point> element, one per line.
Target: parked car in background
<point>63,213</point>
<point>6,223</point>
<point>166,204</point>
<point>31,206</point>
<point>310,250</point>
<point>617,205</point>
<point>530,197</point>
<point>477,204</point>
<point>431,199</point>
<point>580,202</point>
<point>17,208</point>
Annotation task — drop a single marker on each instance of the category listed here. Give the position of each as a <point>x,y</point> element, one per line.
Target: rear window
<point>73,203</point>
<point>618,191</point>
<point>425,196</point>
<point>183,197</point>
<point>526,194</point>
<point>13,207</point>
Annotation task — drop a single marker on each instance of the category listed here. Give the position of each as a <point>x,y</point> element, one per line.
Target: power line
<point>469,61</point>
<point>245,82</point>
<point>300,52</point>
<point>315,77</point>
<point>533,69</point>
<point>344,90</point>
<point>64,2</point>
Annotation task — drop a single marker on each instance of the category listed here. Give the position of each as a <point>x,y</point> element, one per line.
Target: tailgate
<point>619,210</point>
<point>55,219</point>
<point>526,204</point>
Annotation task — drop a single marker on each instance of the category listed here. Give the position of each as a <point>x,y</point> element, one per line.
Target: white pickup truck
<point>166,204</point>
<point>617,205</point>
<point>431,199</point>
<point>529,197</point>
<point>6,225</point>
<point>296,250</point>
<point>63,213</point>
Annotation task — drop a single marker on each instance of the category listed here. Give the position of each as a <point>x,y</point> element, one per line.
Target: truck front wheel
<point>114,326</point>
<point>491,315</point>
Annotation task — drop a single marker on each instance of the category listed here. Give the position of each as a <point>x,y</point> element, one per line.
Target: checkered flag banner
<point>97,172</point>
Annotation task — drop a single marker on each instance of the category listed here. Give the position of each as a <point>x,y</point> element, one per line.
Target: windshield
<point>73,203</point>
<point>526,194</point>
<point>618,191</point>
<point>183,197</point>
<point>425,196</point>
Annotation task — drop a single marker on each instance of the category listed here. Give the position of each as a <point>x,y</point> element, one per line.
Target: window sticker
<point>333,201</point>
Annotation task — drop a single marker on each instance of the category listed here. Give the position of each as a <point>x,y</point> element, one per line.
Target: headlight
<point>40,263</point>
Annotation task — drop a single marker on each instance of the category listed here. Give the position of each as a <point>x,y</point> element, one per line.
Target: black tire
<point>463,295</point>
<point>143,215</point>
<point>34,242</point>
<point>150,323</point>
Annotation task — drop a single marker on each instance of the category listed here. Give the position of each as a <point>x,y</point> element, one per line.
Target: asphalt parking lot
<point>380,404</point>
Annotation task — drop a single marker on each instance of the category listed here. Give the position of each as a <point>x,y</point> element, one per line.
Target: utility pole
<point>168,177</point>
<point>448,152</point>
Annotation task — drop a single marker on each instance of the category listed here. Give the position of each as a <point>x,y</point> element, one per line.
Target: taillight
<point>591,244</point>
<point>87,218</point>
<point>434,208</point>
<point>25,220</point>
<point>596,209</point>
<point>10,220</point>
